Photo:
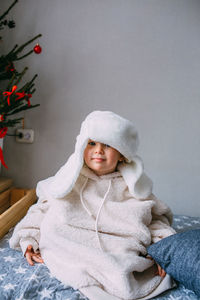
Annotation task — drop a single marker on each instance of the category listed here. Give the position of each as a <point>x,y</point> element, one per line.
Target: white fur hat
<point>108,128</point>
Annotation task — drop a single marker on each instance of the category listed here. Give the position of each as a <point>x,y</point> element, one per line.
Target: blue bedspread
<point>19,281</point>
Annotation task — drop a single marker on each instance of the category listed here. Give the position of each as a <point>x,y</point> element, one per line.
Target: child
<point>96,216</point>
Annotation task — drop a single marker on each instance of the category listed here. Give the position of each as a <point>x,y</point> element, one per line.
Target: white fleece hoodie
<point>97,235</point>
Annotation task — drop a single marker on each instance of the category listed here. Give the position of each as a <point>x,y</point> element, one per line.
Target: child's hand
<point>160,271</point>
<point>32,256</point>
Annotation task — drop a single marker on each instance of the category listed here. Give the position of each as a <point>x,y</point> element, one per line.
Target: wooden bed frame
<point>18,207</point>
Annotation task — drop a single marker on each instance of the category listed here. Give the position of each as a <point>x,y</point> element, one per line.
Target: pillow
<point>179,256</point>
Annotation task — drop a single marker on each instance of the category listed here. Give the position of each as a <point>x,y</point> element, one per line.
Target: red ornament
<point>8,94</point>
<point>37,49</point>
<point>20,96</point>
<point>3,132</point>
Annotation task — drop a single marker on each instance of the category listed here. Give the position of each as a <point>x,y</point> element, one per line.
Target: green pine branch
<point>12,56</point>
<point>14,77</point>
<point>8,10</point>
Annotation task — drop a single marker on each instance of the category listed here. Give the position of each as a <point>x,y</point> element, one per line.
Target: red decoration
<point>10,67</point>
<point>37,49</point>
<point>28,100</point>
<point>2,159</point>
<point>3,132</point>
<point>20,96</point>
<point>10,93</point>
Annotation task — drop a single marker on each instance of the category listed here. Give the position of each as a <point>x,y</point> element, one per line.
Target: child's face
<point>101,158</point>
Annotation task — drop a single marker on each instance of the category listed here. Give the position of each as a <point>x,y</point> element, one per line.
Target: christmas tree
<point>14,98</point>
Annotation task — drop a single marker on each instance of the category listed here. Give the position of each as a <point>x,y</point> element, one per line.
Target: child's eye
<point>91,143</point>
<point>108,146</point>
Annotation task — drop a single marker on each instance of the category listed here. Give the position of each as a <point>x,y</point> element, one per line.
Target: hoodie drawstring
<point>98,214</point>
<point>81,196</point>
<point>99,211</point>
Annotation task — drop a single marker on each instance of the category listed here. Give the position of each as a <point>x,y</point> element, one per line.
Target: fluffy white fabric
<point>70,246</point>
<point>108,128</point>
<point>93,230</point>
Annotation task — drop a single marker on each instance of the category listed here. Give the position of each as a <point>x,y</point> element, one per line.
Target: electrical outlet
<point>24,135</point>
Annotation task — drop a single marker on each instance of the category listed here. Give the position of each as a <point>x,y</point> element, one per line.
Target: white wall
<point>137,58</point>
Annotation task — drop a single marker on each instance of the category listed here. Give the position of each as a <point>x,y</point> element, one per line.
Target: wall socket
<point>24,135</point>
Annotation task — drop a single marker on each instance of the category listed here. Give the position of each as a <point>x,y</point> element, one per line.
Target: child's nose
<point>99,148</point>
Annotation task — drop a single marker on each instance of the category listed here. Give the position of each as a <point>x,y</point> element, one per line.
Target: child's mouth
<point>98,159</point>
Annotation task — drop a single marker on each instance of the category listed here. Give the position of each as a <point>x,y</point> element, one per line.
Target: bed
<point>20,281</point>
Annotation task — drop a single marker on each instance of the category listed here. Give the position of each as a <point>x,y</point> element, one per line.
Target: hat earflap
<point>139,184</point>
<point>64,180</point>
